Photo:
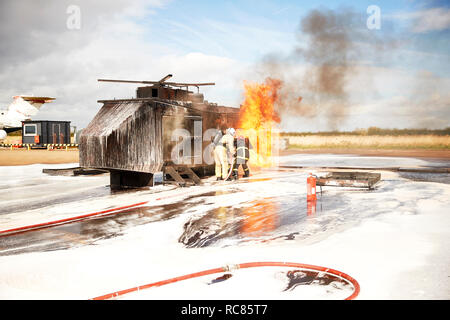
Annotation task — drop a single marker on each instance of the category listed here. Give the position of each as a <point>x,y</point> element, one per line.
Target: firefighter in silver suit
<point>223,147</point>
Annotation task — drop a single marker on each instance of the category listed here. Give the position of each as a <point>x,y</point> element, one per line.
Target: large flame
<point>257,118</point>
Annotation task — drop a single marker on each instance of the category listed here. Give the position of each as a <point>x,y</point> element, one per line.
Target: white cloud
<point>423,21</point>
<point>43,57</point>
<point>113,44</point>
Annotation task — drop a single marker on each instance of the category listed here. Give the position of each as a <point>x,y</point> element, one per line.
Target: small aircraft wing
<point>37,99</point>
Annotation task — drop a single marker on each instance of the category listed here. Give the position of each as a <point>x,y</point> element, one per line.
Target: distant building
<point>41,132</point>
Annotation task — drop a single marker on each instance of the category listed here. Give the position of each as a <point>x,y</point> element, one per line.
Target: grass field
<point>382,142</point>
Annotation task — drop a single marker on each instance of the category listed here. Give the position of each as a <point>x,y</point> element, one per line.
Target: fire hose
<point>352,281</point>
<point>231,169</point>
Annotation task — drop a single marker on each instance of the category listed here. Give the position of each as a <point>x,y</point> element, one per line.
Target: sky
<point>396,75</point>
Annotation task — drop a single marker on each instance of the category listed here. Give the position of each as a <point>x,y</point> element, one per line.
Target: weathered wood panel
<point>132,135</point>
<point>123,136</point>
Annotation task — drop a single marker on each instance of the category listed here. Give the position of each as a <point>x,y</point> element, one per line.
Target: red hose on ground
<point>73,219</point>
<point>239,266</point>
<point>66,220</point>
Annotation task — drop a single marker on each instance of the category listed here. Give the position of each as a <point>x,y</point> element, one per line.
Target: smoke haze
<point>329,46</point>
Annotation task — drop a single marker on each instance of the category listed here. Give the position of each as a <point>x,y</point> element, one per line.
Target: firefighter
<point>224,146</point>
<point>242,156</point>
<point>218,150</point>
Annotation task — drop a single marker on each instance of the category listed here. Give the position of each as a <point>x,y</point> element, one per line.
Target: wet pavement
<point>90,231</point>
<point>426,177</point>
<point>286,218</point>
<point>55,200</point>
<point>207,222</point>
<point>267,219</point>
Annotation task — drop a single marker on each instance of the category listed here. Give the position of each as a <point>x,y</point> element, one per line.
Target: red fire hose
<point>67,220</point>
<point>239,266</point>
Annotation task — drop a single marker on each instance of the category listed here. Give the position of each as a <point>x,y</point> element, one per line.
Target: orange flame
<point>257,117</point>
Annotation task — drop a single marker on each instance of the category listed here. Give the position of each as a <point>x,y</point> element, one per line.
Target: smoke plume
<point>328,45</point>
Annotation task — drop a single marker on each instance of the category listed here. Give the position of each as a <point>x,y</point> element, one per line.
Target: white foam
<point>394,241</point>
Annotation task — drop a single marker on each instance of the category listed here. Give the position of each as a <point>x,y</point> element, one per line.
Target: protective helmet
<point>231,131</point>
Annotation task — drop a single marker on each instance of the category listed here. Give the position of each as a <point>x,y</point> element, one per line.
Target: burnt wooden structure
<point>165,128</point>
